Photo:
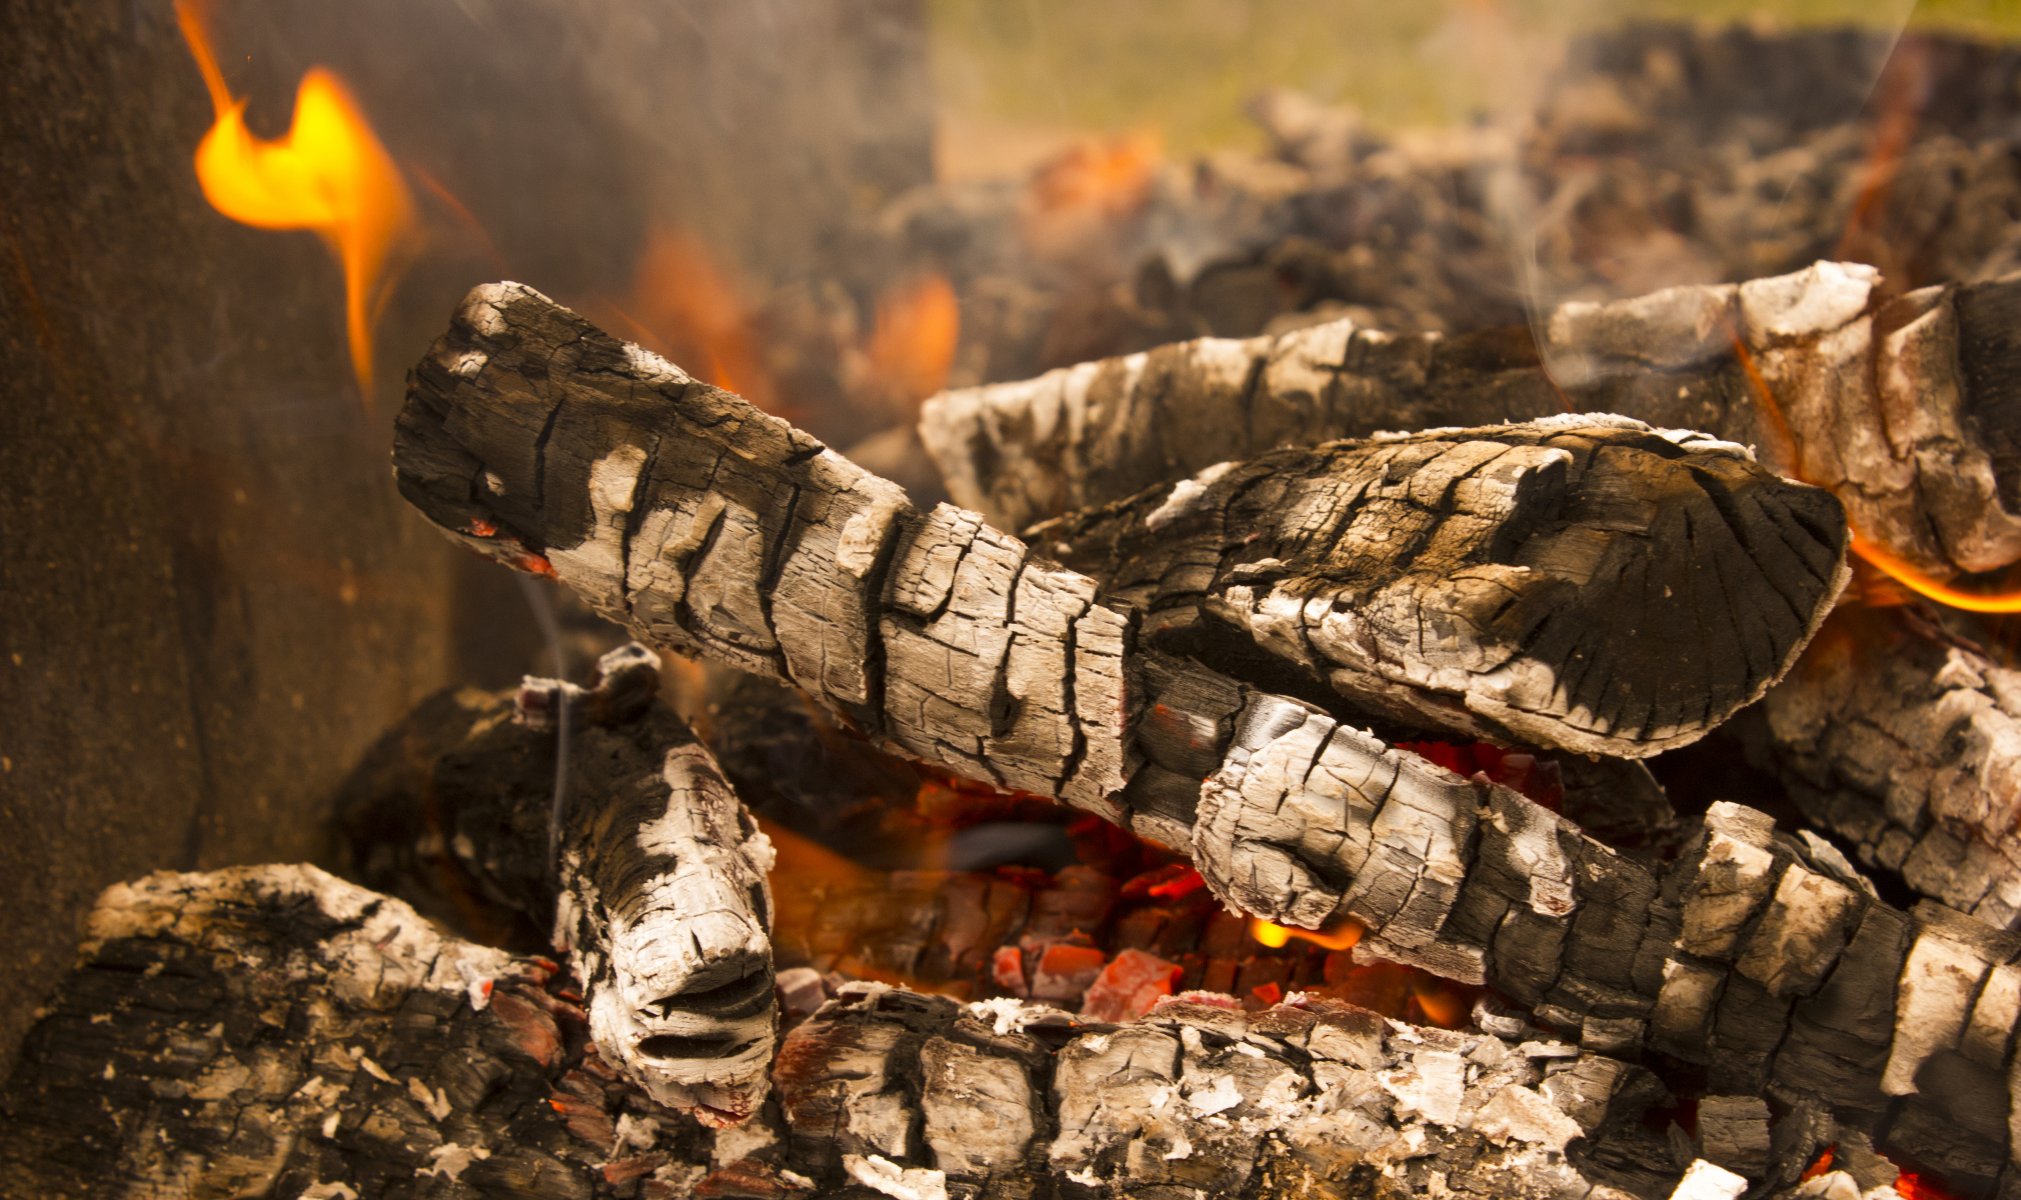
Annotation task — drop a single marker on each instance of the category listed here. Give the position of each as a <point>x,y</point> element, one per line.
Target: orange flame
<point>1866,548</point>
<point>912,344</point>
<point>1342,936</point>
<point>1111,176</point>
<point>687,306</point>
<point>329,174</point>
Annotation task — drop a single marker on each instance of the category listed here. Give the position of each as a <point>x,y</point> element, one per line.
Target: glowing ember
<point>328,174</point>
<point>1822,1165</point>
<point>1335,937</point>
<point>912,343</point>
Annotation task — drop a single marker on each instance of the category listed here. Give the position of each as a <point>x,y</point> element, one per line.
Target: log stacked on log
<point>1905,740</point>
<point>540,441</point>
<point>441,820</point>
<point>1898,406</point>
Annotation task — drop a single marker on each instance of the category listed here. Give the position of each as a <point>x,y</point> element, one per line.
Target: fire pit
<point>1263,701</point>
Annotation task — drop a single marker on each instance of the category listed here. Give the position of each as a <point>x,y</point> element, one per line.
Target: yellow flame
<point>1336,937</point>
<point>328,174</point>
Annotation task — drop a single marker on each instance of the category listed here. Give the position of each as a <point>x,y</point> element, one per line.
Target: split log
<point>597,815</point>
<point>1905,740</point>
<point>1902,407</point>
<point>1582,583</point>
<point>275,1031</point>
<point>708,526</point>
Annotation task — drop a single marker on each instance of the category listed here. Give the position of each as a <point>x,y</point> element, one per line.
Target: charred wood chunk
<point>1585,583</point>
<point>595,813</point>
<point>913,1095</point>
<point>277,1031</point>
<point>1905,741</point>
<point>1892,404</point>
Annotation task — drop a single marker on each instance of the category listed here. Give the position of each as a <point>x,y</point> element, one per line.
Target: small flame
<point>328,174</point>
<point>912,344</point>
<point>687,306</point>
<point>1112,177</point>
<point>1868,550</point>
<point>1342,936</point>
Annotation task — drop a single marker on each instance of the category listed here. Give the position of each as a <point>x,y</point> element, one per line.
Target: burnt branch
<point>1896,406</point>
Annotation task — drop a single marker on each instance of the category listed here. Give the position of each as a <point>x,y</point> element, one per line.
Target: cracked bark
<point>420,1066</point>
<point>1901,407</point>
<point>1781,977</point>
<point>1583,583</point>
<point>1905,741</point>
<point>621,844</point>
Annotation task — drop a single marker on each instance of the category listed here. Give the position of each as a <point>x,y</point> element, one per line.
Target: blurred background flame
<point>329,174</point>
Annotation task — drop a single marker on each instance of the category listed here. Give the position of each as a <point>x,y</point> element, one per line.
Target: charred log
<point>1584,583</point>
<point>276,1031</point>
<point>1905,741</point>
<point>1894,405</point>
<point>597,817</point>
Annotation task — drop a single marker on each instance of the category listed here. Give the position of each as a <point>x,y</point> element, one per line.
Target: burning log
<point>1898,406</point>
<point>1582,583</point>
<point>596,813</point>
<point>1199,1099</point>
<point>1905,740</point>
<point>655,497</point>
<point>415,1063</point>
<point>277,1031</point>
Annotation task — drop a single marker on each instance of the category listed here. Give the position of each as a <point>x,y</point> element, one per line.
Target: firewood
<point>657,498</point>
<point>1309,1099</point>
<point>275,1031</point>
<point>621,841</point>
<point>709,527</point>
<point>1898,406</point>
<point>1582,583</point>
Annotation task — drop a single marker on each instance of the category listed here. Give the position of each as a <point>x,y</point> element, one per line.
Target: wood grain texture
<point>1583,583</point>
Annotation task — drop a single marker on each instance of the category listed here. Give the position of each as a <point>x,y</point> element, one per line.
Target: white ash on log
<point>1901,407</point>
<point>658,886</point>
<point>1582,582</point>
<point>536,439</point>
<point>275,1031</point>
<point>1199,1099</point>
<point>1905,740</point>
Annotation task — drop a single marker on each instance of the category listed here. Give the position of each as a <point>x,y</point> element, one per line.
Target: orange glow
<point>687,306</point>
<point>1822,1165</point>
<point>1342,936</point>
<point>1111,177</point>
<point>912,343</point>
<point>1440,1005</point>
<point>328,174</point>
<point>1075,203</point>
<point>1869,551</point>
